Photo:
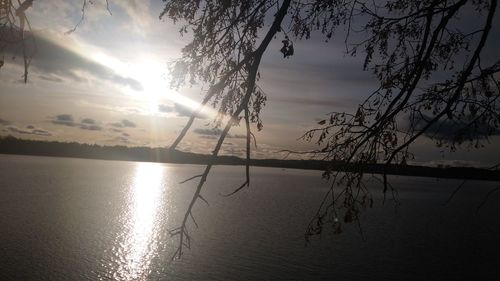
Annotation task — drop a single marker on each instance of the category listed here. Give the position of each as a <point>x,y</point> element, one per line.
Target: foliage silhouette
<point>408,45</point>
<point>14,27</point>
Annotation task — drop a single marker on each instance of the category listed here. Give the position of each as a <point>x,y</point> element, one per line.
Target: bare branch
<point>487,196</point>
<point>191,178</point>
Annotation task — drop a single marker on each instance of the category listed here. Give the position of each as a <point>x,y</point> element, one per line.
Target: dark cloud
<point>209,137</point>
<point>165,108</point>
<point>91,127</point>
<point>127,123</point>
<point>453,130</point>
<point>215,133</point>
<point>184,111</point>
<point>68,120</point>
<point>64,119</point>
<point>124,124</point>
<point>89,121</point>
<point>181,110</point>
<point>55,61</point>
<point>337,102</point>
<point>50,78</point>
<point>4,122</point>
<point>208,132</point>
<point>29,131</point>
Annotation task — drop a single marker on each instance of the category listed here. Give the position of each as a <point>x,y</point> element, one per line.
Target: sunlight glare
<point>142,224</point>
<point>152,73</point>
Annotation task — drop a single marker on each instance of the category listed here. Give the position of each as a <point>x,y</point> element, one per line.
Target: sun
<point>153,77</point>
<point>152,74</point>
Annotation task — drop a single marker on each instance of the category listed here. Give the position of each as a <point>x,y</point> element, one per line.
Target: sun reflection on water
<point>139,243</point>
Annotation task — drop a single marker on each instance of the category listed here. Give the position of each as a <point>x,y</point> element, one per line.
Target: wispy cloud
<point>55,62</point>
<point>139,15</point>
<point>29,130</point>
<point>180,110</point>
<point>454,129</point>
<point>124,124</point>
<point>68,120</point>
<point>4,122</point>
<point>214,133</point>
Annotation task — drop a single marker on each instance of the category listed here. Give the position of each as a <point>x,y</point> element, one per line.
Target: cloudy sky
<point>107,83</point>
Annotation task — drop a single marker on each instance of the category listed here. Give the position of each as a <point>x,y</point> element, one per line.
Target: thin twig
<point>191,178</point>
<point>487,197</point>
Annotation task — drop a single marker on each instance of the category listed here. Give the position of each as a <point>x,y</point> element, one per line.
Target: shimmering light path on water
<point>140,237</point>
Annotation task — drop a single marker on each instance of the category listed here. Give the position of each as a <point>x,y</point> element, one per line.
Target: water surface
<point>76,219</point>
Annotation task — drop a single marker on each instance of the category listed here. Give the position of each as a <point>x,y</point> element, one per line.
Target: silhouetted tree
<point>426,58</point>
<point>13,27</point>
<point>433,82</point>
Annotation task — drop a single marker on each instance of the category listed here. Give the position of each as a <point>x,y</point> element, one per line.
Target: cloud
<point>89,121</point>
<point>138,12</point>
<point>181,110</point>
<point>91,127</point>
<point>64,119</point>
<point>4,122</point>
<point>124,124</point>
<point>215,133</point>
<point>51,78</point>
<point>337,102</point>
<point>90,124</point>
<point>68,120</point>
<point>165,108</point>
<point>119,139</point>
<point>451,163</point>
<point>184,111</point>
<point>30,130</point>
<point>55,62</point>
<point>208,132</point>
<point>127,123</point>
<point>453,130</point>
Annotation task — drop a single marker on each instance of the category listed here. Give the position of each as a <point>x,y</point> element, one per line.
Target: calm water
<point>74,219</point>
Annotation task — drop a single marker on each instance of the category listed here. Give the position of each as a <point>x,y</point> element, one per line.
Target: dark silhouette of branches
<point>230,64</point>
<point>14,26</point>
<point>85,4</point>
<point>432,82</point>
<point>487,196</point>
<point>406,45</point>
<point>15,29</point>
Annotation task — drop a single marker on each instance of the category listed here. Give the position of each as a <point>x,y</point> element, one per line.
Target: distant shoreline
<point>10,145</point>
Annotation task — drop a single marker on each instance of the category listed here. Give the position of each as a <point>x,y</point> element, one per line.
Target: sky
<point>108,83</point>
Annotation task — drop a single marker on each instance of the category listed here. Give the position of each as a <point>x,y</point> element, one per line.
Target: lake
<point>77,219</point>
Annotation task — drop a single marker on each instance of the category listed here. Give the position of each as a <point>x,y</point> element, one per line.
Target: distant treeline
<point>12,145</point>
